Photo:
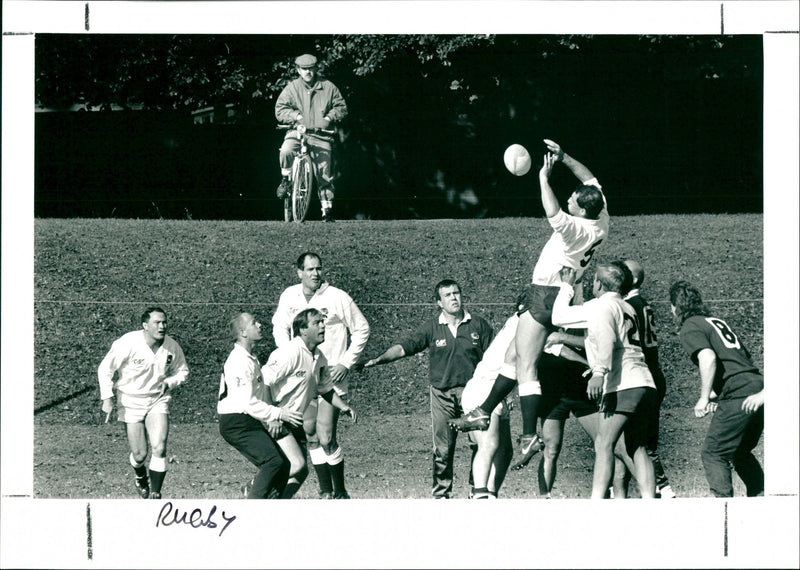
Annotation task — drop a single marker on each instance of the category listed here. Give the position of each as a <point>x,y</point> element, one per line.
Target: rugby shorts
<point>636,403</point>
<point>560,408</point>
<point>538,300</point>
<point>134,409</point>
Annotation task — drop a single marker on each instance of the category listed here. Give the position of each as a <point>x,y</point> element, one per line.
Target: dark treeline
<point>668,124</point>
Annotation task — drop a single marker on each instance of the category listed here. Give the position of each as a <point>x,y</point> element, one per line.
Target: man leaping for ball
<point>576,236</point>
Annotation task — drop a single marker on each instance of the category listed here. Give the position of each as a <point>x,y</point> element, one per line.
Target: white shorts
<point>134,409</point>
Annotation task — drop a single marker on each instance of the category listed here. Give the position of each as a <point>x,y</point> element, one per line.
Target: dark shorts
<point>297,431</point>
<point>560,410</point>
<point>561,377</point>
<point>538,300</point>
<point>640,405</point>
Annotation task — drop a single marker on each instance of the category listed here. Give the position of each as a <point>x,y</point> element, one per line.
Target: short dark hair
<point>615,276</point>
<point>149,311</point>
<point>687,301</point>
<point>590,198</point>
<point>302,319</point>
<point>441,285</point>
<point>301,261</point>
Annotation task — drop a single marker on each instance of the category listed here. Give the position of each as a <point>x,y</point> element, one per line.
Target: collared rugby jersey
<point>294,375</point>
<point>612,338</point>
<point>341,314</point>
<point>572,244</point>
<point>242,389</point>
<point>141,371</point>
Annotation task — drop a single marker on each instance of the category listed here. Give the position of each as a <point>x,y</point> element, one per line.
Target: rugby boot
<point>143,486</point>
<point>477,419</point>
<point>529,445</point>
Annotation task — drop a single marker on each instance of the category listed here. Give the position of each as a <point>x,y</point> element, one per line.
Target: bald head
<point>239,323</point>
<point>637,271</point>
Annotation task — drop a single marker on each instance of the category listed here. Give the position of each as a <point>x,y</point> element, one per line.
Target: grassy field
<point>93,278</point>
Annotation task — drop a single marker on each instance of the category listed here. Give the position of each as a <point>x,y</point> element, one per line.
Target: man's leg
<point>322,156</point>
<point>663,488</point>
<point>443,408</point>
<point>327,422</point>
<point>609,429</point>
<point>137,441</point>
<point>250,438</point>
<point>319,459</point>
<point>529,342</point>
<point>285,158</point>
<point>552,434</point>
<point>487,443</point>
<point>157,426</point>
<point>298,469</point>
<point>503,455</point>
<point>725,433</point>
<point>747,466</point>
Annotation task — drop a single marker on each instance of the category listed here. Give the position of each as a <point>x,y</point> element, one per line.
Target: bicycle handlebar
<point>309,130</point>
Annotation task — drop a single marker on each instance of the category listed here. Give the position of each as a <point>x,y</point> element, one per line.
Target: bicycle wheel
<point>302,181</point>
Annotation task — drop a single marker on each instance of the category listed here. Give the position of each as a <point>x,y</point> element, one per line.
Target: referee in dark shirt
<point>457,341</point>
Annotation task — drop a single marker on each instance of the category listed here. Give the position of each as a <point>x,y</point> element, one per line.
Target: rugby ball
<point>517,160</point>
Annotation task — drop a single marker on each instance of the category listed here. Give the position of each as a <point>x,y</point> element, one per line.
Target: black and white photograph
<point>541,254</point>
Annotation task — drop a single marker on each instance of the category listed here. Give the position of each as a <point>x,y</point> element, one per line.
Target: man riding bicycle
<point>315,103</point>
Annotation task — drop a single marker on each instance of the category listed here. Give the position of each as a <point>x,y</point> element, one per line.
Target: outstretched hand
<point>547,165</point>
<point>555,148</point>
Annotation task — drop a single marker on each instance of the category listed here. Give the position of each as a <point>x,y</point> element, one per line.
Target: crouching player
<point>245,408</point>
<point>295,373</point>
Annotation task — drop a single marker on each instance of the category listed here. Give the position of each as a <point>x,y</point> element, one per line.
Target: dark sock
<point>502,387</point>
<point>529,405</point>
<point>323,471</point>
<point>156,480</point>
<point>140,471</point>
<point>337,478</point>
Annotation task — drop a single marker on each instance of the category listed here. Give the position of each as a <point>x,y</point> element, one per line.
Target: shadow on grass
<point>67,398</point>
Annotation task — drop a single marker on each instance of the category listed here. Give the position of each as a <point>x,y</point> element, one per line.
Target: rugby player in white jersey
<point>342,317</point>
<point>245,410</point>
<point>576,236</point>
<point>295,374</point>
<point>620,376</point>
<point>148,365</point>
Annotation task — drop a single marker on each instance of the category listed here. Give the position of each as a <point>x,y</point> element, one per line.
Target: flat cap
<point>306,60</point>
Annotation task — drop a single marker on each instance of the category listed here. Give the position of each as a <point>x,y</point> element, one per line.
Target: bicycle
<point>302,177</point>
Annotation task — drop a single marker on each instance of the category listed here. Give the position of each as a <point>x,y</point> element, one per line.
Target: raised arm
<point>549,200</point>
<point>579,170</point>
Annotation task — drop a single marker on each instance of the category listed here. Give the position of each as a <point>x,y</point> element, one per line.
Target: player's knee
<point>160,449</point>
<point>298,469</point>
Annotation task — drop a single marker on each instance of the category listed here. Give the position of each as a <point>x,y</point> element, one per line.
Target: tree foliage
<point>427,110</point>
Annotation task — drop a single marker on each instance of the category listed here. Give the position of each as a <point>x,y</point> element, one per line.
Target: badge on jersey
<point>441,342</point>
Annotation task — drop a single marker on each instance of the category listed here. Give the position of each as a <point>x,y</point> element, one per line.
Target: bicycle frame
<point>303,177</point>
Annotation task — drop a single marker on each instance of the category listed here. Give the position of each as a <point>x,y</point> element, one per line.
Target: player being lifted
<point>577,234</point>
